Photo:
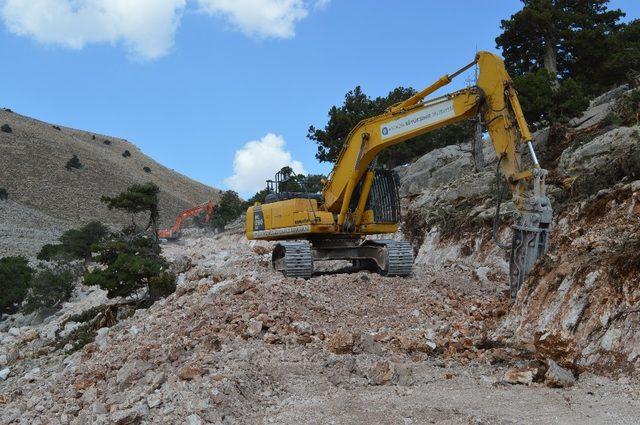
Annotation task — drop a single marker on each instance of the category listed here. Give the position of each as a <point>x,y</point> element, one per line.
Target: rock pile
<point>238,343</point>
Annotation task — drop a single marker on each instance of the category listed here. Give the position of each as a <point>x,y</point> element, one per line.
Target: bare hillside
<point>32,170</point>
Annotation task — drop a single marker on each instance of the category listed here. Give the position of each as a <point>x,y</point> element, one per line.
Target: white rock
<point>33,374</point>
<point>558,377</point>
<point>14,332</point>
<point>4,373</point>
<point>194,420</point>
<point>101,340</point>
<point>481,273</point>
<point>302,327</point>
<point>154,400</point>
<point>254,328</point>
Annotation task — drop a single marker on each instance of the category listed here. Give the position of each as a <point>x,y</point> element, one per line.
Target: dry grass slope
<point>32,169</point>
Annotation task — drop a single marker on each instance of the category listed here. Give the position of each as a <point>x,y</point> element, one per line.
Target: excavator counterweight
<point>359,200</point>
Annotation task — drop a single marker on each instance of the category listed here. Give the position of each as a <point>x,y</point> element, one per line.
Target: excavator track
<point>293,259</point>
<point>399,257</point>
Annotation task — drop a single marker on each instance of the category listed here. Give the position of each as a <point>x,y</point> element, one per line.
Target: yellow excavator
<point>359,200</point>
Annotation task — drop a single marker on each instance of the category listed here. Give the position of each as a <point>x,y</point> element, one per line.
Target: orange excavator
<point>174,232</point>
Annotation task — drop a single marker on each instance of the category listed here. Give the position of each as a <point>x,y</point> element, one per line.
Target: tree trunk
<point>154,215</point>
<point>551,65</point>
<point>478,154</point>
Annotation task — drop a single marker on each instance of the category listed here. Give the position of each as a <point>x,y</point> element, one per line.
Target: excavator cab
<point>383,200</point>
<point>288,185</point>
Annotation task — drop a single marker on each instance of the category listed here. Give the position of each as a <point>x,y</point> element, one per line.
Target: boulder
<point>436,168</point>
<point>598,154</point>
<point>599,108</point>
<point>519,376</point>
<point>341,343</point>
<point>557,376</point>
<point>131,371</point>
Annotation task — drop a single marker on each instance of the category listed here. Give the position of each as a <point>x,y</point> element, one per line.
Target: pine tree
<point>136,199</point>
<point>567,38</point>
<point>357,106</point>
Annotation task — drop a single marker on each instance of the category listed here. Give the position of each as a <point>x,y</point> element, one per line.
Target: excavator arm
<point>493,96</point>
<point>174,231</point>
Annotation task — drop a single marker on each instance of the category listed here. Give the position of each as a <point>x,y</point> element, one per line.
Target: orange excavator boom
<point>174,231</point>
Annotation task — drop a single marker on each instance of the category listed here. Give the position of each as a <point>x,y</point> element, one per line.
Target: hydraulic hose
<point>496,218</point>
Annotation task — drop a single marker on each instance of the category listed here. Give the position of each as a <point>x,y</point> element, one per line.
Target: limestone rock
<point>558,377</point>
<point>519,376</point>
<point>341,343</point>
<point>131,371</point>
<point>380,373</point>
<point>187,373</point>
<point>597,155</point>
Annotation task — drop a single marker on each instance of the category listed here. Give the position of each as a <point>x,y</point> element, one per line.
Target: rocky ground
<point>580,305</point>
<point>238,343</point>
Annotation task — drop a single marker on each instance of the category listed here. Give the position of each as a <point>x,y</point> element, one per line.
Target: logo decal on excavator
<point>258,219</point>
<point>426,116</point>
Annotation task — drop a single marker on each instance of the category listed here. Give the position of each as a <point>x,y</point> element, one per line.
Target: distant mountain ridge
<point>46,196</point>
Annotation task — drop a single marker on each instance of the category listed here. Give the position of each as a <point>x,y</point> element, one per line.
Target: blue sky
<point>191,82</point>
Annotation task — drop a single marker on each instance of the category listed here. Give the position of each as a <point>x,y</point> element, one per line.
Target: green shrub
<point>93,137</point>
<point>79,242</point>
<point>130,264</point>
<point>49,289</point>
<point>162,285</point>
<point>3,194</point>
<point>107,142</point>
<point>56,127</point>
<point>15,275</point>
<point>136,199</point>
<point>543,105</point>
<point>126,154</point>
<point>74,162</point>
<point>76,244</point>
<point>51,252</point>
<point>146,169</point>
<point>6,128</point>
<point>228,209</point>
<point>611,119</point>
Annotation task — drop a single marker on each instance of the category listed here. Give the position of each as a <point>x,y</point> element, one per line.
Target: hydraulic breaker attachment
<point>530,233</point>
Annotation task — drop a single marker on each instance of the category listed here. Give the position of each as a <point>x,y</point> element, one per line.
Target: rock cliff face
<point>580,305</point>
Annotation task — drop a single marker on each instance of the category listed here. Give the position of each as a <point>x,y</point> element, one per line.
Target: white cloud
<point>146,27</point>
<point>258,161</point>
<point>259,18</point>
<point>321,4</point>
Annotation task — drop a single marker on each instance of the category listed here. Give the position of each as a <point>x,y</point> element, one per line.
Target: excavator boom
<point>174,231</point>
<point>359,200</point>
